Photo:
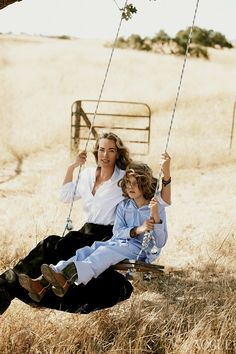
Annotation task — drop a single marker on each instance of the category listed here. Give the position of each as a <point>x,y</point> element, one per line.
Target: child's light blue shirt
<point>128,215</point>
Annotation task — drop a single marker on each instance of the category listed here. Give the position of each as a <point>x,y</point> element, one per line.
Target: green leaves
<point>128,11</point>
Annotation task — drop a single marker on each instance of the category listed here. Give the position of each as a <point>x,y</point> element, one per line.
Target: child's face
<point>132,188</point>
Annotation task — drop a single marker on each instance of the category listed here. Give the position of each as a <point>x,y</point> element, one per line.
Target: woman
<point>97,187</point>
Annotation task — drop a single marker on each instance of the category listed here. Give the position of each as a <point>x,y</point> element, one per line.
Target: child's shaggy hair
<point>144,176</point>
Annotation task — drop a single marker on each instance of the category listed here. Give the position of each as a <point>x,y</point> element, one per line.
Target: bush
<point>135,41</point>
<point>162,37</point>
<point>218,39</point>
<point>198,51</point>
<point>121,43</point>
<point>162,43</point>
<point>202,37</point>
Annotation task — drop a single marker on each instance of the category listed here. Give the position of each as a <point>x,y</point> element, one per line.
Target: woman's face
<point>107,153</point>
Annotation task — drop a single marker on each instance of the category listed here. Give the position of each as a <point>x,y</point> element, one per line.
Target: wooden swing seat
<point>138,266</point>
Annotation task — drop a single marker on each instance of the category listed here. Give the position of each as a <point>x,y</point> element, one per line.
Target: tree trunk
<point>4,3</point>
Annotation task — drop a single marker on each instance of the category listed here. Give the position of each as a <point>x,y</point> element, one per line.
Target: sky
<point>100,18</point>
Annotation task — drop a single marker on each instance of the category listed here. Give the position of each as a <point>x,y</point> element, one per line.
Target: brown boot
<point>59,283</point>
<point>36,287</point>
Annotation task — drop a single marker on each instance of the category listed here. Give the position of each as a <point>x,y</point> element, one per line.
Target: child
<point>138,213</point>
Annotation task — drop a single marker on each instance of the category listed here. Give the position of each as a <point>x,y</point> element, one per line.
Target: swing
<point>130,266</point>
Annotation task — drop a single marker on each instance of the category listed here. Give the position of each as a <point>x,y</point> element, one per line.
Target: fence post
<point>232,127</point>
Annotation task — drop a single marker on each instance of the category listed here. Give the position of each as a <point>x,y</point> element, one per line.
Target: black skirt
<point>106,290</point>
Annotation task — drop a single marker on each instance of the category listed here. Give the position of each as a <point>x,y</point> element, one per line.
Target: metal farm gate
<point>131,121</point>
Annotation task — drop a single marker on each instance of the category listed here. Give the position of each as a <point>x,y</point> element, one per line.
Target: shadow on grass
<point>14,174</point>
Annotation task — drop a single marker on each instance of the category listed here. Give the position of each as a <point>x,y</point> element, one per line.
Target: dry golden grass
<point>191,309</point>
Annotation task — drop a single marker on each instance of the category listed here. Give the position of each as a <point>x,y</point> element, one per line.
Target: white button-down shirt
<point>99,208</point>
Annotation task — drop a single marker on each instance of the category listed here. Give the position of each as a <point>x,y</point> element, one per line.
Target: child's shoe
<point>37,288</point>
<point>59,283</point>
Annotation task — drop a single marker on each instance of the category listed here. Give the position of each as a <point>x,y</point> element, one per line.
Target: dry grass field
<point>192,308</point>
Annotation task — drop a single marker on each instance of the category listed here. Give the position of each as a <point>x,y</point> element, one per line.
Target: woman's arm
<point>68,187</point>
<point>79,161</point>
<point>166,180</point>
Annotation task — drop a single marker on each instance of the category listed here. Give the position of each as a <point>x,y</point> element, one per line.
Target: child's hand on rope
<point>148,225</point>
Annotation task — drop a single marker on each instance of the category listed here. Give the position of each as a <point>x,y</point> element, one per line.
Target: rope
<point>182,74</point>
<point>148,235</point>
<point>69,225</point>
<point>179,85</point>
<point>117,4</point>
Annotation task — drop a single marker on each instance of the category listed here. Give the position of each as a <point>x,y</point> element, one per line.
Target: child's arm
<point>148,224</point>
<point>159,228</point>
<point>120,229</point>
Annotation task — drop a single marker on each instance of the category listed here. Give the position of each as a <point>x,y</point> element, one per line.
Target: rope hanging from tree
<point>126,14</point>
<point>148,236</point>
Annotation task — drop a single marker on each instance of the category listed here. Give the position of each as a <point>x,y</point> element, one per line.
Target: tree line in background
<point>164,44</point>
